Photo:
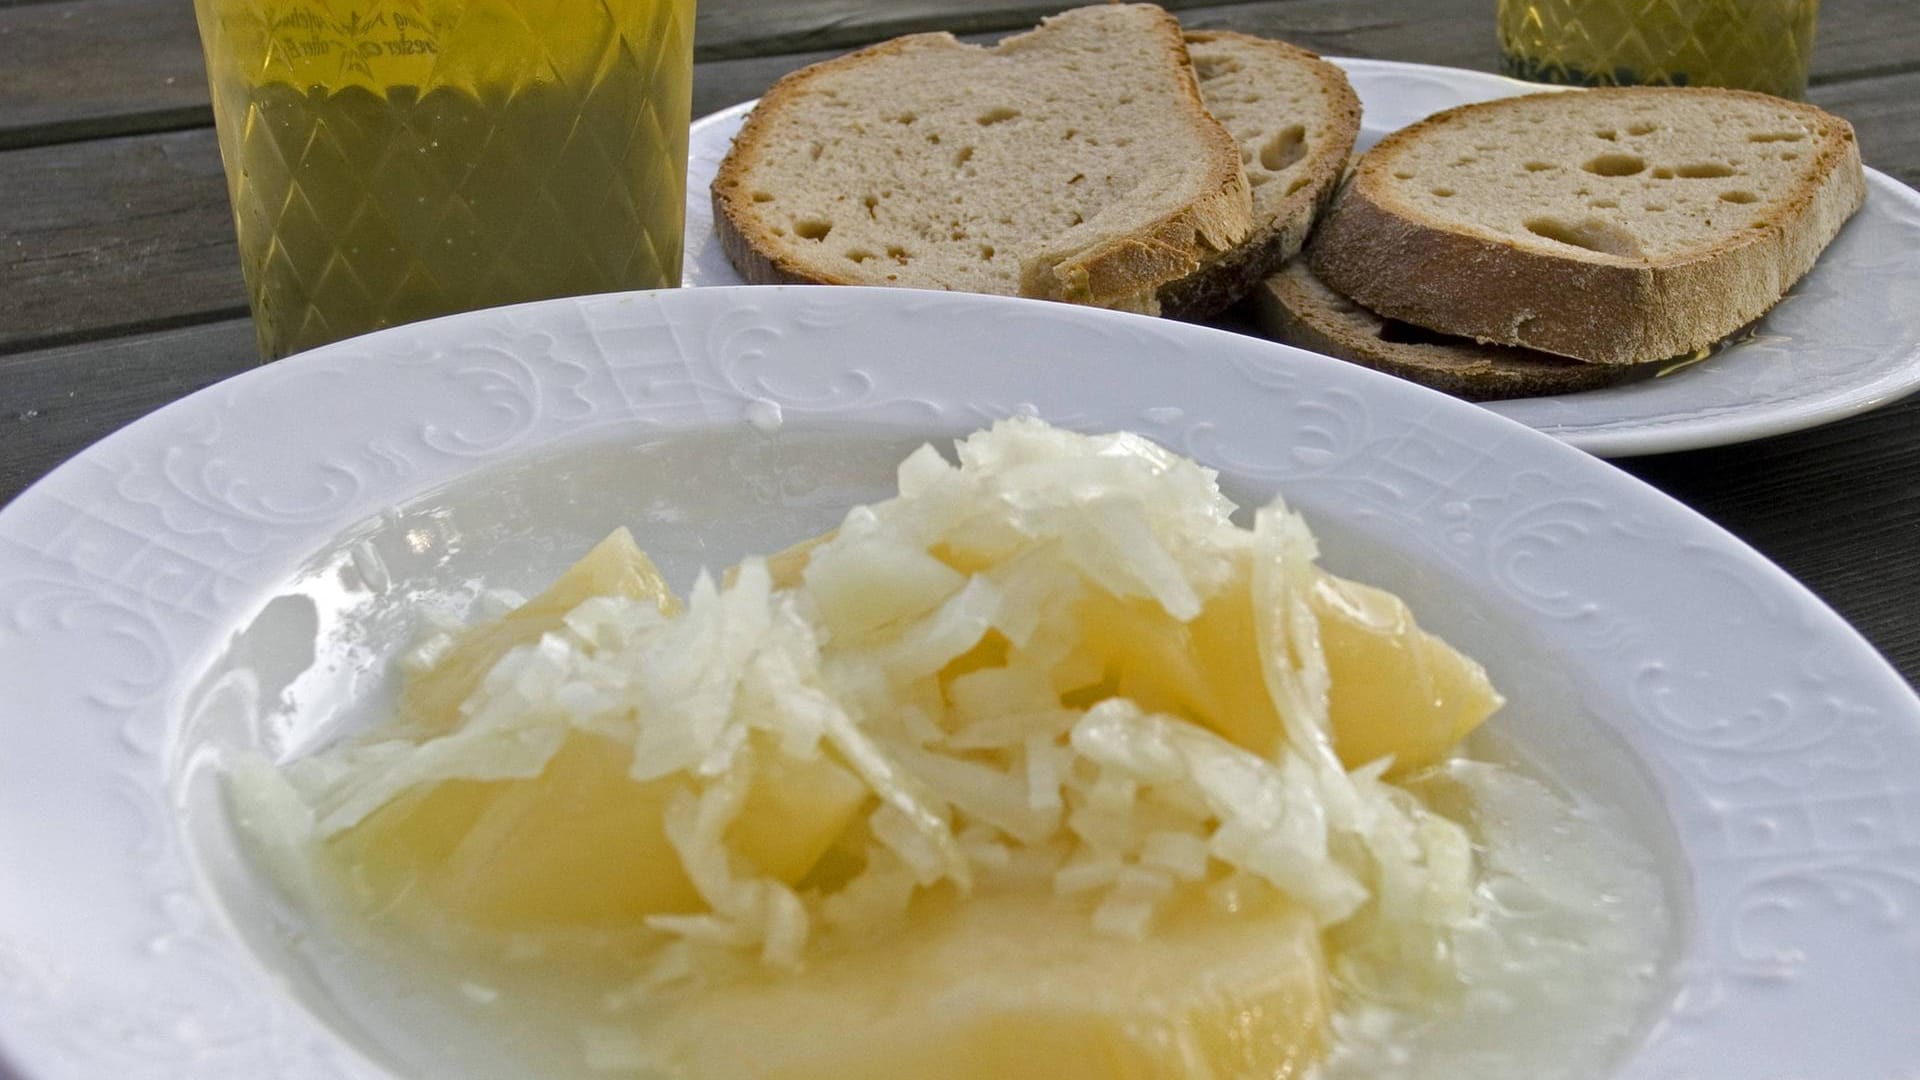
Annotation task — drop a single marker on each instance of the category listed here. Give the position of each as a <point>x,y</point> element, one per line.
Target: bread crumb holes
<point>1616,165</point>
<point>1591,235</point>
<point>1286,147</point>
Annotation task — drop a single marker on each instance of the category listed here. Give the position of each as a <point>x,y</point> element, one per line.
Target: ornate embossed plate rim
<point>1646,417</point>
<point>1788,753</point>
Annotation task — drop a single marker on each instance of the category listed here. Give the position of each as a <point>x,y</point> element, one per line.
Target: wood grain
<point>97,68</point>
<point>1859,38</point>
<point>55,403</point>
<point>144,221</point>
<point>114,234</point>
<point>721,83</point>
<point>1885,113</point>
<point>1448,32</point>
<point>112,67</point>
<point>109,67</point>
<point>734,28</point>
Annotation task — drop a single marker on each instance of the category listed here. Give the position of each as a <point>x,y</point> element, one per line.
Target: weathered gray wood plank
<point>1885,113</point>
<point>108,67</point>
<point>113,234</point>
<point>57,402</point>
<point>720,83</point>
<point>735,28</point>
<point>108,235</point>
<point>88,68</point>
<point>1455,33</point>
<point>1858,38</point>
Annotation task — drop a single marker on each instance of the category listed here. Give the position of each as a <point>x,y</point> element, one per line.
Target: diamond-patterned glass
<point>1748,44</point>
<point>392,160</point>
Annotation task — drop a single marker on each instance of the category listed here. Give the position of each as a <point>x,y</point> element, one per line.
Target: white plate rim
<point>125,566</point>
<point>1583,420</point>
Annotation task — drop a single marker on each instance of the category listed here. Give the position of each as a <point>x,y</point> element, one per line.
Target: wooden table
<point>120,285</point>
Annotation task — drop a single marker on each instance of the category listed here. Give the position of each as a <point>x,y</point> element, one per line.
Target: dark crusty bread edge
<point>1122,272</point>
<point>1225,278</point>
<point>1286,304</point>
<point>1602,309</point>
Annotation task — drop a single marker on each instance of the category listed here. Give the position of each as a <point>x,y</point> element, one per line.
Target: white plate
<point>1845,340</point>
<point>214,575</point>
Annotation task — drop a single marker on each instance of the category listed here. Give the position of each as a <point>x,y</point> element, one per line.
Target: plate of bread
<point>1631,270</point>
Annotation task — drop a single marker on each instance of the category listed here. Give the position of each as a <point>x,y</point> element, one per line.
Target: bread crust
<point>1226,277</point>
<point>1295,307</point>
<point>1121,272</point>
<point>1127,271</point>
<point>1457,279</point>
<point>759,258</point>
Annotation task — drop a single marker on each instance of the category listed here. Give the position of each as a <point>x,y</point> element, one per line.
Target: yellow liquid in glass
<point>1759,45</point>
<point>393,160</point>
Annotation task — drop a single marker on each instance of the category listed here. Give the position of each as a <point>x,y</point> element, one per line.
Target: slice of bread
<point>1295,307</point>
<point>1295,117</point>
<point>1615,226</point>
<point>1072,162</point>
